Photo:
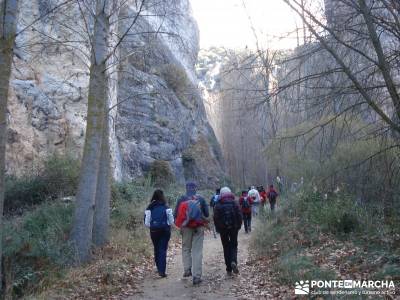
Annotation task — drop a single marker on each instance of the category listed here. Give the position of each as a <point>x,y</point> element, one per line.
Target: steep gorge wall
<point>237,114</point>
<point>160,116</point>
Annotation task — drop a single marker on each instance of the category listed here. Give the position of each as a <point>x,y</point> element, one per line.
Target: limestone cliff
<point>160,115</point>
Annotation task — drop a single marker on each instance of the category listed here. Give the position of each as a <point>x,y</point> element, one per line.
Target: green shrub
<point>131,191</point>
<point>297,228</point>
<point>128,201</point>
<point>61,174</point>
<point>345,223</point>
<point>127,214</point>
<point>293,267</point>
<point>57,178</point>
<point>23,192</point>
<point>36,244</point>
<point>177,80</point>
<point>337,214</point>
<point>36,247</point>
<point>269,237</point>
<point>122,191</point>
<point>161,173</point>
<point>130,198</point>
<point>388,271</point>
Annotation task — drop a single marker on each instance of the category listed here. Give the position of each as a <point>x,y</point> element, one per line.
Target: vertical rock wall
<point>160,115</point>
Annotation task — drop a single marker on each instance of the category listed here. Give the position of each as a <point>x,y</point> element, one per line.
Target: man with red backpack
<point>245,203</point>
<point>263,195</point>
<point>272,194</point>
<point>228,221</point>
<point>191,213</point>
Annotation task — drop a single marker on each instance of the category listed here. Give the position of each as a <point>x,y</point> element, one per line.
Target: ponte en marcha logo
<point>345,287</point>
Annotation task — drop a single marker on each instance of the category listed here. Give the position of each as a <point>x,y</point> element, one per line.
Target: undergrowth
<point>38,255</point>
<point>58,177</point>
<point>311,237</point>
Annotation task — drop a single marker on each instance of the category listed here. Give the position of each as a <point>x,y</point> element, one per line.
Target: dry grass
<point>114,273</point>
<point>116,270</point>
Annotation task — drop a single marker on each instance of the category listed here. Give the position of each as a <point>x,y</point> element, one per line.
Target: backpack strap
<point>194,197</point>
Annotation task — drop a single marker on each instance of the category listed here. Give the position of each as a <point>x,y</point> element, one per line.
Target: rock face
<point>160,113</point>
<point>240,117</point>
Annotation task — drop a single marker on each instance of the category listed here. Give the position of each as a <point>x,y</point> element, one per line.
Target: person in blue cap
<point>193,210</point>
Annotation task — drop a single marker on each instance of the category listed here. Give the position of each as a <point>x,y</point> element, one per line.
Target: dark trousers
<point>230,244</point>
<point>160,239</point>
<point>247,221</point>
<point>272,203</point>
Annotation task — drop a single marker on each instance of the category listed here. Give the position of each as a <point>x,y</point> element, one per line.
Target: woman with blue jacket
<point>159,218</point>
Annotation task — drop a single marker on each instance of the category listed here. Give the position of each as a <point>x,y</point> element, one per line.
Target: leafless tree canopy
<point>329,109</point>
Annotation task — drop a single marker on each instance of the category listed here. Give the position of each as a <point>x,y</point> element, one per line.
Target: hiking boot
<point>229,273</point>
<point>234,268</point>
<point>163,275</point>
<point>187,273</point>
<point>196,281</point>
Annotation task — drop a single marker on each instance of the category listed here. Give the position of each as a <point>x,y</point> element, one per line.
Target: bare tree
<point>92,213</point>
<point>358,42</point>
<point>341,88</point>
<point>94,179</point>
<point>243,115</point>
<point>103,190</point>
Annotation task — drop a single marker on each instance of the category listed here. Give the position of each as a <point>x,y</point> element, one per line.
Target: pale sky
<point>226,23</point>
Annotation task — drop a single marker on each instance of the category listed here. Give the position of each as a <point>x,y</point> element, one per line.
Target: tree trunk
<point>5,66</point>
<point>103,193</point>
<point>97,99</point>
<point>8,25</point>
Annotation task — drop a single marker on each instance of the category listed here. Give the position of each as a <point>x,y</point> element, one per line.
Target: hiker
<point>245,203</point>
<point>213,201</point>
<point>191,213</point>
<point>279,183</point>
<point>256,200</point>
<point>263,196</point>
<point>214,198</point>
<point>159,218</point>
<point>272,194</point>
<point>228,221</point>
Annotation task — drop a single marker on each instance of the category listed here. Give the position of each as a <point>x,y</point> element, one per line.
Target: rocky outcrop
<point>160,114</point>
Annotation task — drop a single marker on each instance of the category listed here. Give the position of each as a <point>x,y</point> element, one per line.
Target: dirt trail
<point>215,285</point>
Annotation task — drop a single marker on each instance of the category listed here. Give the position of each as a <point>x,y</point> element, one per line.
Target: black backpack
<point>272,195</point>
<point>246,203</point>
<point>228,215</point>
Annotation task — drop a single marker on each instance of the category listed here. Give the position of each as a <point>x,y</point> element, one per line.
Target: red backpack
<point>190,214</point>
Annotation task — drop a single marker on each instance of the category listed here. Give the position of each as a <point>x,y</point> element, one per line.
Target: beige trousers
<point>192,250</point>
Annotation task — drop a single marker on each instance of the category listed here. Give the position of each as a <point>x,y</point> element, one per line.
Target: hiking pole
<point>214,233</point>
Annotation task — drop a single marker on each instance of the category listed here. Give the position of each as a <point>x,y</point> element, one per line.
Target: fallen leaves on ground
<point>114,273</point>
<point>257,281</point>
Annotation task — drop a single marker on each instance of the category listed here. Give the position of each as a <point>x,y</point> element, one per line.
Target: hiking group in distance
<point>191,217</point>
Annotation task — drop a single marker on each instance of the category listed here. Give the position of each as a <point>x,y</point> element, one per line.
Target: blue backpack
<point>194,215</point>
<point>159,219</point>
